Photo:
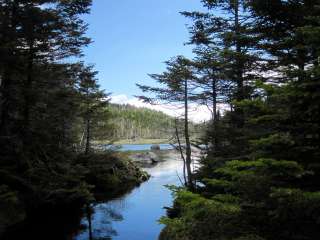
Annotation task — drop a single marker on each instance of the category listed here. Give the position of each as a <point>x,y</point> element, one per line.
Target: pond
<point>135,216</point>
<point>138,147</point>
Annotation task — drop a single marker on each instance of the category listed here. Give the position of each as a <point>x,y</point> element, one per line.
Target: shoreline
<point>137,142</point>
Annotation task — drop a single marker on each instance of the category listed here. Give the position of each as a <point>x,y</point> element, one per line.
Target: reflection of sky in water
<point>139,147</point>
<point>135,216</point>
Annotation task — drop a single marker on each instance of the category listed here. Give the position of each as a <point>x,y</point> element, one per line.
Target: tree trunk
<point>181,153</point>
<point>27,95</point>
<point>5,102</point>
<point>215,112</point>
<point>187,137</point>
<point>240,93</point>
<point>239,67</point>
<point>5,87</point>
<point>88,137</point>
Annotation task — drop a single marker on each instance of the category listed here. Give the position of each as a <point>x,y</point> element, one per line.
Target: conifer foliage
<point>48,101</point>
<point>260,178</point>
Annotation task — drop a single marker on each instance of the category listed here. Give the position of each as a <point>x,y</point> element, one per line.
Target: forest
<point>134,124</point>
<point>255,65</point>
<point>51,109</point>
<point>260,176</point>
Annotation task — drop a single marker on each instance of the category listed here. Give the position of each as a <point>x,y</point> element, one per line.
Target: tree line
<point>132,123</point>
<point>256,65</point>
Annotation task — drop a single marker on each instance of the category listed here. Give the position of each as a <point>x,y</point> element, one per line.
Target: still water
<point>135,216</point>
<point>139,147</point>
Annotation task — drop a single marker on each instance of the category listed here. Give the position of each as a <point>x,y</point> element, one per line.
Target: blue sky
<point>133,38</point>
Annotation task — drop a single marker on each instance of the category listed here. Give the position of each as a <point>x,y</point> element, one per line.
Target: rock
<point>155,147</point>
<point>145,159</point>
<point>153,157</point>
<point>144,176</point>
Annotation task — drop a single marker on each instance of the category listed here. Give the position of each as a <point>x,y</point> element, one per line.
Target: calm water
<point>139,147</point>
<point>135,216</point>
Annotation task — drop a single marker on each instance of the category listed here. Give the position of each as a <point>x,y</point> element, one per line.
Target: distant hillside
<point>134,123</point>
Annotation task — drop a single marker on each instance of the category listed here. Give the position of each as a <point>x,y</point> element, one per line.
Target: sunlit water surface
<point>135,216</point>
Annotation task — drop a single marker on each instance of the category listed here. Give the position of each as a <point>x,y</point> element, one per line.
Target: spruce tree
<point>178,88</point>
<point>272,192</point>
<point>225,31</point>
<point>34,35</point>
<point>93,109</point>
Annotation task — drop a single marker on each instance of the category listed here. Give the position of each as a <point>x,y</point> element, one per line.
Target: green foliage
<point>263,153</point>
<point>139,123</point>
<point>92,109</point>
<point>202,218</point>
<point>49,103</point>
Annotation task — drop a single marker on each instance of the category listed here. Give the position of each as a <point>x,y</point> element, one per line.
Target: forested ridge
<point>135,123</point>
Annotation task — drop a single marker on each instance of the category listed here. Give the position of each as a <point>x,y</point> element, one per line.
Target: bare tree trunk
<point>88,136</point>
<point>187,137</point>
<point>82,139</point>
<point>240,92</point>
<point>181,152</point>
<point>239,70</point>
<point>215,112</point>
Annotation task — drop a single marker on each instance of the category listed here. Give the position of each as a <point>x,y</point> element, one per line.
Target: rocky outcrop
<point>145,158</point>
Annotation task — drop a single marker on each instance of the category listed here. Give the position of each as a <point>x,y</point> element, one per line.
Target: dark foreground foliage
<point>90,178</point>
<point>51,109</point>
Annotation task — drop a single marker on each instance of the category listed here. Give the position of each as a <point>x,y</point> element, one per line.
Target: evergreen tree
<point>178,88</point>
<point>226,45</point>
<point>34,34</point>
<point>271,192</point>
<point>93,107</point>
<point>214,90</point>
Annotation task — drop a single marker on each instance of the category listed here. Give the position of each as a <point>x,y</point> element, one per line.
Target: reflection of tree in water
<point>100,219</point>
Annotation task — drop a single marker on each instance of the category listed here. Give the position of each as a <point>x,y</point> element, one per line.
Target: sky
<point>133,38</point>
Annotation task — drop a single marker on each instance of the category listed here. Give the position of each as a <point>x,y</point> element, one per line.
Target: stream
<point>135,215</point>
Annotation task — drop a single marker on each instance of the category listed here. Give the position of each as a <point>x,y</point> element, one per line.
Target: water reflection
<point>135,216</point>
<point>97,224</point>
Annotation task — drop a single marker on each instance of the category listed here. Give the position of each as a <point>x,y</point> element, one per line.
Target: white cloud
<point>198,113</point>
